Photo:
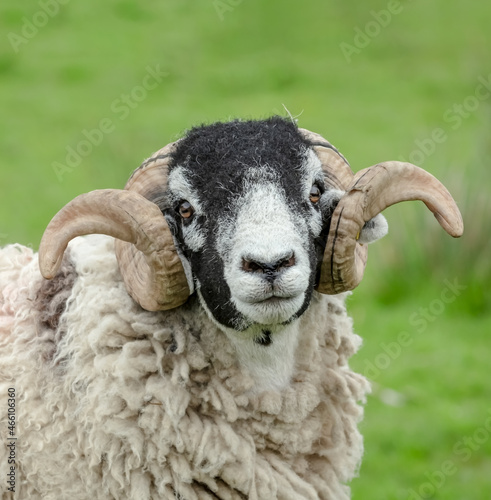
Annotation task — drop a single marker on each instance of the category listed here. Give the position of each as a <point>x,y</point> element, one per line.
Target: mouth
<point>270,309</point>
<point>272,299</point>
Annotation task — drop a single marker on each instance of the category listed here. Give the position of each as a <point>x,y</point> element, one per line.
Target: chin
<point>272,311</point>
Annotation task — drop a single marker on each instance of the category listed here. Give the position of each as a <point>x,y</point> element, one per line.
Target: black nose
<point>270,270</point>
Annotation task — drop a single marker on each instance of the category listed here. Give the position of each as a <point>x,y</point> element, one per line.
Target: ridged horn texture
<point>337,172</point>
<point>337,175</point>
<point>168,290</point>
<point>368,193</point>
<point>149,263</point>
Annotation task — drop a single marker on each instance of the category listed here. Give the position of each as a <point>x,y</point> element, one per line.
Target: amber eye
<point>186,210</point>
<point>315,194</point>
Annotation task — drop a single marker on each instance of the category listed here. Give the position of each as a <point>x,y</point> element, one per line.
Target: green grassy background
<point>425,422</point>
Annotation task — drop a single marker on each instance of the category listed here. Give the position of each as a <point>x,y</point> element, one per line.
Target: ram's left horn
<point>372,191</point>
<point>156,280</point>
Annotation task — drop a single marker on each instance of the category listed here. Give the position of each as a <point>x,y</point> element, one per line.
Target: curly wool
<point>129,404</point>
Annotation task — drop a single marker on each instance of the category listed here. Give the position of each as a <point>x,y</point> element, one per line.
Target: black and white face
<point>246,207</point>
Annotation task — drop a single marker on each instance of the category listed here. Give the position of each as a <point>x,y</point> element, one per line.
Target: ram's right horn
<point>372,191</point>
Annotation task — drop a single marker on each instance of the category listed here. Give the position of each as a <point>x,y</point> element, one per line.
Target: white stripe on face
<point>265,231</point>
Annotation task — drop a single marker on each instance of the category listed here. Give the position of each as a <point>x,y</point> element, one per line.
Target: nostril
<point>249,266</point>
<point>288,262</point>
<point>254,266</point>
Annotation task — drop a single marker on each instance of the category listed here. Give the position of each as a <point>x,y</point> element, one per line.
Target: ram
<point>196,344</point>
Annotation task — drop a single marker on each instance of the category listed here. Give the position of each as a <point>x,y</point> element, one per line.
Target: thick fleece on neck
<point>139,405</point>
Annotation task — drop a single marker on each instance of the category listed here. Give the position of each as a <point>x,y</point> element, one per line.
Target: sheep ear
<point>372,191</point>
<point>373,230</point>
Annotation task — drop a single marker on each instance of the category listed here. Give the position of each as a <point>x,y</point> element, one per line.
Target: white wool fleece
<point>129,404</point>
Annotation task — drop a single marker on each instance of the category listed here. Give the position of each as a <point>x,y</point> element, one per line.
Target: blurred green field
<point>381,80</point>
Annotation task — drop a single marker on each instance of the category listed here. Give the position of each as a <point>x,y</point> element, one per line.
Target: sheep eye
<point>315,194</point>
<point>186,210</point>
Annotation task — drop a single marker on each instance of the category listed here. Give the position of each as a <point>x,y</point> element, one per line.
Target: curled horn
<point>150,181</point>
<point>368,193</point>
<point>337,175</point>
<point>149,263</point>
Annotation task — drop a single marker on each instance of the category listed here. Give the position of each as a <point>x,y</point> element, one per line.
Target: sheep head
<point>252,215</point>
